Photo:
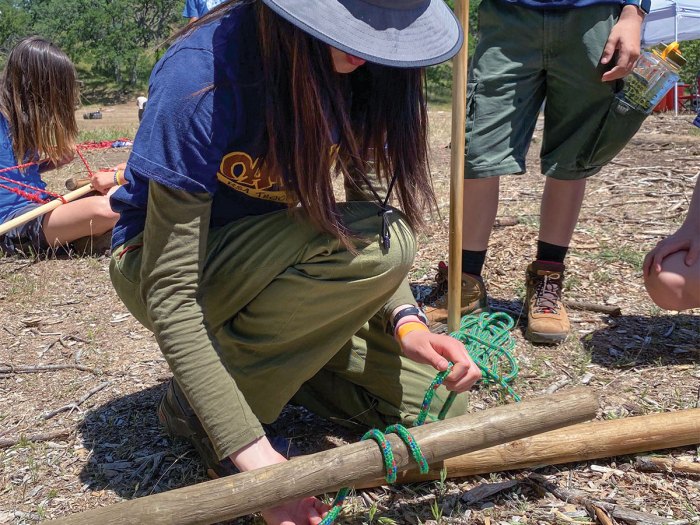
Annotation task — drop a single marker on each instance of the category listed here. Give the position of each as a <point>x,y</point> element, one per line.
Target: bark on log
<point>599,439</point>
<point>252,491</point>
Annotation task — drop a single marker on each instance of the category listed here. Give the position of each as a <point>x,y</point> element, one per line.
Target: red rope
<point>34,197</point>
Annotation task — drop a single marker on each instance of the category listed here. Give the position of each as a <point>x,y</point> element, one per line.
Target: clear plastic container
<point>654,74</point>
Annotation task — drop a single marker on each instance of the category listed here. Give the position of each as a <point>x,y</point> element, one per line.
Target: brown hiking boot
<point>547,321</point>
<point>178,418</point>
<point>474,300</point>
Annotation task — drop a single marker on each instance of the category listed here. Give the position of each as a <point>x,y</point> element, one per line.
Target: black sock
<point>473,262</point>
<point>551,252</point>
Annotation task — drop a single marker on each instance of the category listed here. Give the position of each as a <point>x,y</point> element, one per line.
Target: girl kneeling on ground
<point>260,288</point>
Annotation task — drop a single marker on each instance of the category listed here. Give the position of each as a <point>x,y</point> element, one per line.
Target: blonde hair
<point>38,96</point>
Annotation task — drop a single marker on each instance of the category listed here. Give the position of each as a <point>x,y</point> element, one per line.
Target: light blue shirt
<point>197,8</point>
<point>12,202</point>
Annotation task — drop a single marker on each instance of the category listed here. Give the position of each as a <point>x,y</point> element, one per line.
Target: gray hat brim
<point>425,34</point>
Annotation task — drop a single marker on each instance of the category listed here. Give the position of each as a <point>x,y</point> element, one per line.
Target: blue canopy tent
<point>669,21</point>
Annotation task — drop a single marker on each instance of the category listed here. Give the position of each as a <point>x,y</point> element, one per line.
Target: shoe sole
<point>544,338</point>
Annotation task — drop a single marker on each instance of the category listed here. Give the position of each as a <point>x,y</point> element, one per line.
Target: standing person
<point>38,96</point>
<point>195,9</point>
<point>571,53</point>
<point>672,268</point>
<point>260,288</point>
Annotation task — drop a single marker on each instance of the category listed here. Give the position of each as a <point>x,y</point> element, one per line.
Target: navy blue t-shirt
<point>204,130</point>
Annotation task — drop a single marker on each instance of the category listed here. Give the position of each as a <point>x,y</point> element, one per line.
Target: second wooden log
<point>583,442</point>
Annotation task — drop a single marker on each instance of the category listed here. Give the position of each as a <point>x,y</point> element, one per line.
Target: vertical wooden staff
<point>459,110</point>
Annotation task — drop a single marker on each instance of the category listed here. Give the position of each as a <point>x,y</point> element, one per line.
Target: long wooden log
<point>43,209</point>
<point>599,439</point>
<point>249,492</point>
<point>458,143</point>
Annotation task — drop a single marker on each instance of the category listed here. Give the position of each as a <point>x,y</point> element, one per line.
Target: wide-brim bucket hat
<point>399,33</point>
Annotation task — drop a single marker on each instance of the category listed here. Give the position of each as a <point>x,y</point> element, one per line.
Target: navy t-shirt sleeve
<point>182,138</point>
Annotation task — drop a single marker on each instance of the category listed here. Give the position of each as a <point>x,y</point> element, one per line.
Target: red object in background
<point>668,103</point>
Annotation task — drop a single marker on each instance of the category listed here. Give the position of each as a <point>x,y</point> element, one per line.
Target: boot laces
<point>547,292</point>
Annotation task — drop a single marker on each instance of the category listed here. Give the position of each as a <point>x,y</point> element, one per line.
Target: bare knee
<point>677,286</point>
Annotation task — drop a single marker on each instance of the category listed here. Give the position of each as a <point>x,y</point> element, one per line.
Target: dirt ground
<point>80,378</point>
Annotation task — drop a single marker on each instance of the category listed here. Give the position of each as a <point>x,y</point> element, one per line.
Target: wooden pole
<point>249,492</point>
<point>43,209</point>
<point>74,183</point>
<point>599,439</point>
<point>458,142</point>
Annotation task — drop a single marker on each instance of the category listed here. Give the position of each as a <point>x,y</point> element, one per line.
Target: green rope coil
<point>487,339</point>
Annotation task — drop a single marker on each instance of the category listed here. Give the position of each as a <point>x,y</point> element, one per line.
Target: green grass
<point>625,254</point>
<point>99,135</point>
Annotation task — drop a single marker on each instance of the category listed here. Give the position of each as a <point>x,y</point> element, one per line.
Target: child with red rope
<point>38,95</point>
<point>260,288</point>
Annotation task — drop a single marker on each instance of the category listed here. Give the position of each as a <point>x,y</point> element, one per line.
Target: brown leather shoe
<point>547,321</point>
<point>474,300</point>
<point>179,419</point>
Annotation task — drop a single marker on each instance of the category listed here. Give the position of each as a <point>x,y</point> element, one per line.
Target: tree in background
<point>15,23</point>
<point>113,41</point>
<point>691,52</point>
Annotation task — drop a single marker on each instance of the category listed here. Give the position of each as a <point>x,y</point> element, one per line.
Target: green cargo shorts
<point>526,56</point>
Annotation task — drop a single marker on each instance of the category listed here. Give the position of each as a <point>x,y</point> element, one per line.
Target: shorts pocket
<point>618,126</point>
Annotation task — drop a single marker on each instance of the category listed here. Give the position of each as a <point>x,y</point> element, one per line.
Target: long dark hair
<point>380,114</point>
<point>38,96</point>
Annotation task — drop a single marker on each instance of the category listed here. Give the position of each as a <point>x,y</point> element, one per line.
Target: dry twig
<point>74,406</point>
<point>42,436</point>
<point>652,464</point>
<point>6,369</point>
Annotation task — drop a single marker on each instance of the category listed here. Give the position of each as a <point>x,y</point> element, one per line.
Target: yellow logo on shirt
<point>239,171</point>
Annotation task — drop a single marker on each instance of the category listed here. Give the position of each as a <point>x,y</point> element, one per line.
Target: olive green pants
<point>297,317</point>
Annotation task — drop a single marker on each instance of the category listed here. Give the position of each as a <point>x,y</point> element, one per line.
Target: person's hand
<point>686,238</point>
<point>436,350</point>
<point>306,511</point>
<point>103,180</point>
<point>301,512</point>
<point>625,39</point>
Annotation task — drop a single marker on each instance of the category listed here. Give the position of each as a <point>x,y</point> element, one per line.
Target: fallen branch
<point>74,406</point>
<point>619,512</point>
<point>611,310</point>
<point>34,438</point>
<point>651,464</point>
<point>6,369</point>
